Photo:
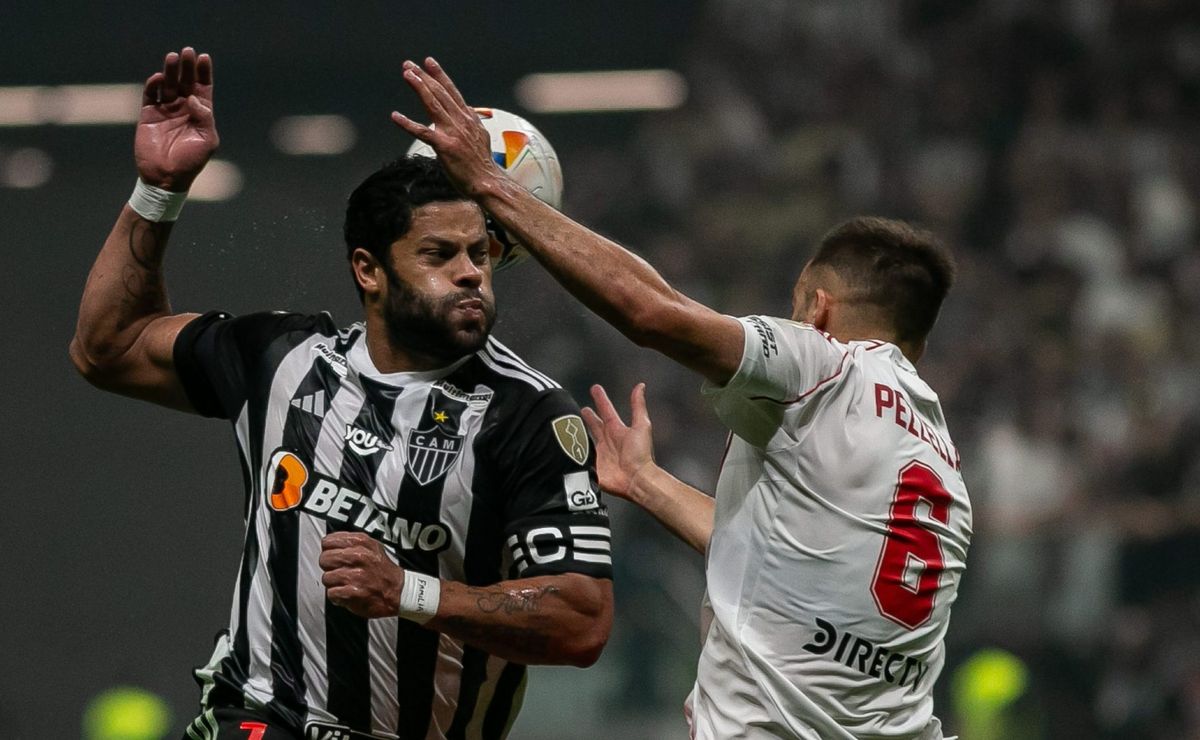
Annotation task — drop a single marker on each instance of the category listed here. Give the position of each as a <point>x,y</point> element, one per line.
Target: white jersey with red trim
<point>841,531</point>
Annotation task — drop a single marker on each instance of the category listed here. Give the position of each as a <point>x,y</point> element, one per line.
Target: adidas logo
<point>313,403</point>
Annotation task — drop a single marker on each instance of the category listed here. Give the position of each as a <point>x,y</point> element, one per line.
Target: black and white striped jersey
<point>477,472</point>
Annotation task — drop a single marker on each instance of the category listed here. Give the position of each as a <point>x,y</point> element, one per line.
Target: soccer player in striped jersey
<point>841,522</point>
<point>422,514</point>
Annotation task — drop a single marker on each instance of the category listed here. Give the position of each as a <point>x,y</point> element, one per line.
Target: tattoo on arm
<point>491,601</point>
<point>525,639</point>
<point>142,277</point>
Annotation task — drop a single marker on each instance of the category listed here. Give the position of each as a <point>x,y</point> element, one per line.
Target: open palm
<point>176,132</point>
<point>621,450</point>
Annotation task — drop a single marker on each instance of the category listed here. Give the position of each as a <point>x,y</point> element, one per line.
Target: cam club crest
<point>431,452</point>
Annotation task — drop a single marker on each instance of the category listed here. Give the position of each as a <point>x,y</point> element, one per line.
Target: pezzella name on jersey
<point>291,484</point>
<point>873,660</point>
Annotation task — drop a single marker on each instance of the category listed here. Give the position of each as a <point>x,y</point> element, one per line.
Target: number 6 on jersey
<point>911,561</point>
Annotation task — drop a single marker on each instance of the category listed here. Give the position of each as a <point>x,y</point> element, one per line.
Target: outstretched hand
<point>622,451</point>
<point>176,132</point>
<point>461,142</point>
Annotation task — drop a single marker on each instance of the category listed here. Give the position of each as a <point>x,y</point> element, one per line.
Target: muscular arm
<point>619,286</point>
<point>622,288</point>
<point>125,336</point>
<point>549,620</point>
<point>125,333</point>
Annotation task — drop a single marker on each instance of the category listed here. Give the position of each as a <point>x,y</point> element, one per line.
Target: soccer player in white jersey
<point>841,521</point>
<point>422,515</point>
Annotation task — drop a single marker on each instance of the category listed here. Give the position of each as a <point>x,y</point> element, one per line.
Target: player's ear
<point>368,273</point>
<point>819,308</point>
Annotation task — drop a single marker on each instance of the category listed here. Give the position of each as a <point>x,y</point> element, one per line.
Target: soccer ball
<point>528,158</point>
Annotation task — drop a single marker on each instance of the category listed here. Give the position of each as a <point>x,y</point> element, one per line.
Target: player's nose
<point>466,272</point>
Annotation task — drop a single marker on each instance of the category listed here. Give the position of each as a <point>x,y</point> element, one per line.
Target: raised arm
<point>125,334</point>
<point>546,620</point>
<point>619,286</point>
<point>626,468</point>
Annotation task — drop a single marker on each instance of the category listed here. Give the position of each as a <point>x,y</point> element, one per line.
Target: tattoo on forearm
<point>524,640</point>
<point>142,278</point>
<point>491,601</point>
<point>533,641</point>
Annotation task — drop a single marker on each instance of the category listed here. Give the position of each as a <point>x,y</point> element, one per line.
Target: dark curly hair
<point>379,210</point>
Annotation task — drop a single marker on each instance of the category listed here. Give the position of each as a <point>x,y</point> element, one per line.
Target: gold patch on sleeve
<point>572,437</point>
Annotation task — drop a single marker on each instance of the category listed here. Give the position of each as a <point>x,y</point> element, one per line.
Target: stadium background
<point>1053,143</point>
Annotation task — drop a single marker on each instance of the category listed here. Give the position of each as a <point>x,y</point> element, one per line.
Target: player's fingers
<point>594,423</point>
<point>418,130</point>
<point>337,540</point>
<point>640,416</point>
<point>348,592</point>
<point>339,558</point>
<point>204,70</point>
<point>436,82</point>
<point>343,595</point>
<point>200,112</point>
<point>342,577</point>
<point>170,85</point>
<point>152,88</point>
<point>187,70</point>
<point>418,81</point>
<point>604,407</point>
<point>447,104</point>
<point>441,76</point>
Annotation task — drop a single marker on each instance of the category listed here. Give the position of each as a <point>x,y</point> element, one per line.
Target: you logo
<point>364,442</point>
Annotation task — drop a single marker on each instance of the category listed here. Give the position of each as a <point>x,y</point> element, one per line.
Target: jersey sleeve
<point>216,353</point>
<point>555,521</point>
<point>783,362</point>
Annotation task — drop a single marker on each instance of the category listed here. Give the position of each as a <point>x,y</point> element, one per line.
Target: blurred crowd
<point>1055,144</point>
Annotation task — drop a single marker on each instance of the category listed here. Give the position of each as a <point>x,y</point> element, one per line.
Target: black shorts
<point>227,723</point>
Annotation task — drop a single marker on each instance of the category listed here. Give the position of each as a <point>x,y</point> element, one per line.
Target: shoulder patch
<point>572,437</point>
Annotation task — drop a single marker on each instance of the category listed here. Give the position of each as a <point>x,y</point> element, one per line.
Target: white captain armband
<point>155,204</point>
<point>419,597</point>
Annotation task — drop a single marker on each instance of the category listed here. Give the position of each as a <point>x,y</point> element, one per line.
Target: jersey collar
<point>359,358</point>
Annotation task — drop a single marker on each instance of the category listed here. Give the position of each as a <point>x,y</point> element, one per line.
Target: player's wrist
<point>494,186</point>
<point>420,596</point>
<point>643,484</point>
<point>156,204</point>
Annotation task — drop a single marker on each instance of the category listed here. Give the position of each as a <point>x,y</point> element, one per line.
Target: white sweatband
<point>156,204</point>
<point>419,597</point>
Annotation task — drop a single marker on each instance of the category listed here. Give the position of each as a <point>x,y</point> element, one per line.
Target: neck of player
<point>389,358</point>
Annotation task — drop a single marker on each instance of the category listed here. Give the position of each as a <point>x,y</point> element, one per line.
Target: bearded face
<point>431,295</point>
<point>444,327</point>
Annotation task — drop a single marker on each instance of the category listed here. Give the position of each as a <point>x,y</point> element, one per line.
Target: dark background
<point>1053,144</point>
